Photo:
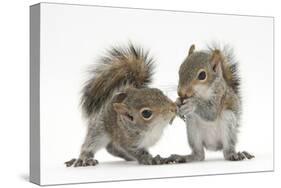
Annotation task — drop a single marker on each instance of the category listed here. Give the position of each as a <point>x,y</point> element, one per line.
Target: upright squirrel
<point>209,102</point>
<point>124,115</point>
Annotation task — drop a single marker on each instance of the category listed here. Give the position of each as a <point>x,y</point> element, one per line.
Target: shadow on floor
<point>24,177</point>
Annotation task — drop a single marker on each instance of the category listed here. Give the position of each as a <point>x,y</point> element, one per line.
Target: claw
<point>240,156</point>
<point>69,163</point>
<point>173,159</point>
<point>80,162</point>
<point>248,155</point>
<point>157,160</point>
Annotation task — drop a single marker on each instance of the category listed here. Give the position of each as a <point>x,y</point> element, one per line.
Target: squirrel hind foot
<point>80,162</point>
<point>239,156</point>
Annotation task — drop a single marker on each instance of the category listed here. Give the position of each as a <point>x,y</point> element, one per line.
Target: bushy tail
<point>229,66</point>
<point>120,67</point>
<point>231,71</point>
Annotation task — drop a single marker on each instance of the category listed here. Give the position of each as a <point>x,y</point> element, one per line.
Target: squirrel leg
<point>118,152</point>
<point>232,155</point>
<point>186,158</point>
<point>198,154</point>
<point>141,155</point>
<point>86,158</point>
<point>230,139</point>
<point>96,139</point>
<point>195,143</point>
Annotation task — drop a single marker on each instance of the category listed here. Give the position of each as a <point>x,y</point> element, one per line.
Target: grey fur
<point>113,101</point>
<point>212,117</point>
<point>114,71</point>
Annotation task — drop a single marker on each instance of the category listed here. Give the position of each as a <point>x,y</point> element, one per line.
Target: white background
<point>73,37</point>
<point>14,78</point>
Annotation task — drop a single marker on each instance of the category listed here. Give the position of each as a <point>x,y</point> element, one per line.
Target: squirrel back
<point>121,67</point>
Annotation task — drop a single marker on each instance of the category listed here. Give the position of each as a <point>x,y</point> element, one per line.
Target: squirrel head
<point>198,72</point>
<point>145,108</point>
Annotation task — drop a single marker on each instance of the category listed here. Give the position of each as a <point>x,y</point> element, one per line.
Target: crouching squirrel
<point>124,115</point>
<point>209,102</point>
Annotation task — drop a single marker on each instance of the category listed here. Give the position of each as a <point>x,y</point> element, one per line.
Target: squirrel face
<point>144,108</point>
<point>197,73</point>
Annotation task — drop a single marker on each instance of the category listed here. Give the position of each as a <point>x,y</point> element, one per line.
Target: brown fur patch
<point>121,67</point>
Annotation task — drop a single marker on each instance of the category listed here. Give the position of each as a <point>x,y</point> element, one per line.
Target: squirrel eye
<point>202,75</point>
<point>146,114</point>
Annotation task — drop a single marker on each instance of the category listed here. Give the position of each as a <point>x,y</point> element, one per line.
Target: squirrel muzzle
<point>185,92</point>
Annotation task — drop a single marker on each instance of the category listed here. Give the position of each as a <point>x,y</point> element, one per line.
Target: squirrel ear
<point>119,97</point>
<point>191,49</point>
<point>122,109</point>
<point>216,60</point>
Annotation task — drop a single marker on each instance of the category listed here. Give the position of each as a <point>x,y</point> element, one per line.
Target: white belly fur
<point>214,134</point>
<point>152,135</point>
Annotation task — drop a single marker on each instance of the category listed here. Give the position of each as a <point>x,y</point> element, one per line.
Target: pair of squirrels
<point>126,116</point>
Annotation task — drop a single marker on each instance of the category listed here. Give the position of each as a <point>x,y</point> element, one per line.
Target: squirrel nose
<point>181,94</point>
<point>185,93</point>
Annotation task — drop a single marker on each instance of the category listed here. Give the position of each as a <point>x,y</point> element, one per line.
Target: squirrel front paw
<point>158,160</point>
<point>80,162</point>
<point>239,156</point>
<point>147,160</point>
<point>175,159</point>
<point>184,107</point>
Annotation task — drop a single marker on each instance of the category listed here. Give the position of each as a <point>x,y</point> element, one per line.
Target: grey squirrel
<point>210,103</point>
<point>124,115</point>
